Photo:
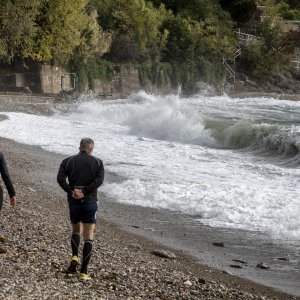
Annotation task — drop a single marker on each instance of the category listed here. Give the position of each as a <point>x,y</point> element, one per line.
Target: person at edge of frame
<point>10,189</point>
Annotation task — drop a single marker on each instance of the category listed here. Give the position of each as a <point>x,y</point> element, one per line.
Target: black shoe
<point>73,265</point>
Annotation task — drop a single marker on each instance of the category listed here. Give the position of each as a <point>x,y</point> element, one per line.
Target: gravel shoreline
<point>122,265</point>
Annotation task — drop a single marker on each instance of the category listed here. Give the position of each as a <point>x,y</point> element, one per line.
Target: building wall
<point>49,79</point>
<point>55,79</point>
<point>126,81</point>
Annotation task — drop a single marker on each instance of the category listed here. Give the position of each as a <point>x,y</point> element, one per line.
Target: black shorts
<point>83,212</point>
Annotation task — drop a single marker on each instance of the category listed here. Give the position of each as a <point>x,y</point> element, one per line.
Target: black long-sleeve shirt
<point>83,171</point>
<point>6,177</point>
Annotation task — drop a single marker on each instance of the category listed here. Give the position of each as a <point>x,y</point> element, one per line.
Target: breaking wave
<point>267,139</point>
<point>172,119</point>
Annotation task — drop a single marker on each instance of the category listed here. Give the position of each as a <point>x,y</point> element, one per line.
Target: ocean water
<point>230,163</point>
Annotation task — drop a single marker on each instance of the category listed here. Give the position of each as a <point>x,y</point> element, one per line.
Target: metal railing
<point>245,37</point>
<point>229,69</point>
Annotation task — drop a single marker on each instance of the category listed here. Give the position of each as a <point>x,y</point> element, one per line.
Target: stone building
<point>35,78</point>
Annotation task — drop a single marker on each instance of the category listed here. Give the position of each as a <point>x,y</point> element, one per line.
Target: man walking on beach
<point>85,173</point>
<point>10,189</point>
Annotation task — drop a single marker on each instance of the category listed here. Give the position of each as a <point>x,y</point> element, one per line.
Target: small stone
<point>136,246</point>
<point>3,250</point>
<point>239,261</point>
<point>262,266</point>
<point>283,258</point>
<point>226,272</point>
<point>187,283</point>
<point>219,244</point>
<point>3,239</point>
<point>202,280</point>
<point>235,266</point>
<point>164,254</point>
<point>55,265</point>
<point>194,292</point>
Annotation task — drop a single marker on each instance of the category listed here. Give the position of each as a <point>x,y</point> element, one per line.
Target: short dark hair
<point>86,143</point>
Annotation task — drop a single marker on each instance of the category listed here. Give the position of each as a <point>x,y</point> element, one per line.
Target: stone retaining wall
<point>55,79</point>
<point>26,100</point>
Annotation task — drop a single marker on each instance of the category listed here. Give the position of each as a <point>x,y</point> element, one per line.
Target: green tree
<point>294,3</point>
<point>49,30</point>
<point>195,9</point>
<point>135,25</point>
<point>289,13</point>
<point>18,28</point>
<point>240,10</point>
<point>265,57</point>
<point>65,25</point>
<point>196,49</point>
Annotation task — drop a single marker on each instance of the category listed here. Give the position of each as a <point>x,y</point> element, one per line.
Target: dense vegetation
<point>183,40</point>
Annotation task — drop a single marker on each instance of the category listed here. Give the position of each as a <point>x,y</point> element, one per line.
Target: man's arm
<point>62,178</point>
<point>6,177</point>
<point>96,182</point>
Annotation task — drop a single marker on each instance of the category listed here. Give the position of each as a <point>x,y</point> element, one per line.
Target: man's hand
<point>77,194</point>
<point>13,202</point>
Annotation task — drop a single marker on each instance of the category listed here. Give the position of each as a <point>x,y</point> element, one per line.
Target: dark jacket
<point>83,171</point>
<point>6,177</point>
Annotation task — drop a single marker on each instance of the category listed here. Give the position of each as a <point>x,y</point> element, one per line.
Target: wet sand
<point>125,237</point>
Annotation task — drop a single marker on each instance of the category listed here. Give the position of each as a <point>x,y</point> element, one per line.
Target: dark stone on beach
<point>283,258</point>
<point>235,266</point>
<point>136,246</point>
<point>202,280</point>
<point>262,266</point>
<point>164,254</point>
<point>240,261</point>
<point>219,244</point>
<point>226,272</point>
<point>3,239</point>
<point>55,265</point>
<point>135,226</point>
<point>3,250</point>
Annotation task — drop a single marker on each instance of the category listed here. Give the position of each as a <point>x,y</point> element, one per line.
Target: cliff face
<point>284,83</point>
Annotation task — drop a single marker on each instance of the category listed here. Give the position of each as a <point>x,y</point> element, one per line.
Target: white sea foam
<point>170,150</point>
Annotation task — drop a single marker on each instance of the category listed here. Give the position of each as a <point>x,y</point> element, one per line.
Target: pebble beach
<point>123,265</point>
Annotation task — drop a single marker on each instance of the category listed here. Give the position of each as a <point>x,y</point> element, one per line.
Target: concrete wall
<point>17,77</point>
<point>25,100</point>
<point>55,79</point>
<point>126,81</point>
<point>48,79</point>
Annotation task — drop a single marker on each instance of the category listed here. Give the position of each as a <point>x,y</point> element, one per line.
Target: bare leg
<point>88,231</point>
<point>77,227</point>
